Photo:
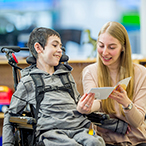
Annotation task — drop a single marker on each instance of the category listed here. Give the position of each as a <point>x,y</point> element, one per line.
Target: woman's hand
<point>128,130</point>
<point>120,95</point>
<point>85,103</point>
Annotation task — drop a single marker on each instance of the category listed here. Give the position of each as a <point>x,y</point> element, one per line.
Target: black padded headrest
<point>32,60</point>
<point>64,58</point>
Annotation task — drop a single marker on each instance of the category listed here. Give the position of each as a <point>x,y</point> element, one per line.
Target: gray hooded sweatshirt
<point>58,108</point>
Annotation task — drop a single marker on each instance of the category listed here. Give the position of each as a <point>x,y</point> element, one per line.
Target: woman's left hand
<point>120,95</point>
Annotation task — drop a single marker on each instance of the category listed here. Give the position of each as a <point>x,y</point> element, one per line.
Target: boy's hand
<point>85,103</point>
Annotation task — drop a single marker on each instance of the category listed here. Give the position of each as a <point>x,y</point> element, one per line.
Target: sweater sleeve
<point>17,104</point>
<point>136,115</point>
<point>89,78</point>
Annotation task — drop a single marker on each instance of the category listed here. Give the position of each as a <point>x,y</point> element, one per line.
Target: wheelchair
<point>24,125</point>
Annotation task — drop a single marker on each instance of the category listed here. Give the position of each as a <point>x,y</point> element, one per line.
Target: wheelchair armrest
<point>97,118</point>
<point>23,122</point>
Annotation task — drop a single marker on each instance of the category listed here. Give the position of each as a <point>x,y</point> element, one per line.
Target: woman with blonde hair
<point>114,63</point>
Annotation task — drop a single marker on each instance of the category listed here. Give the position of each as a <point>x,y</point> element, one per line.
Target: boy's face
<point>52,52</point>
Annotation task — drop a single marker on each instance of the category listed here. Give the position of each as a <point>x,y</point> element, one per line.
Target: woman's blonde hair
<point>119,32</point>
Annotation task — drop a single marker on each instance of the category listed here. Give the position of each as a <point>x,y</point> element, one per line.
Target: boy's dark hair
<point>40,35</point>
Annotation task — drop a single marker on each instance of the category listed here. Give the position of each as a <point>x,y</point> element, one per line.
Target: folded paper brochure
<point>104,92</point>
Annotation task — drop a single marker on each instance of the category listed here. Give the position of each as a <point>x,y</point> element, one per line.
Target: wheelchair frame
<point>24,125</point>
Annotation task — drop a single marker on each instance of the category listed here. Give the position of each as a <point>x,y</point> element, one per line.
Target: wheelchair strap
<point>40,90</point>
<point>39,95</point>
<point>67,85</point>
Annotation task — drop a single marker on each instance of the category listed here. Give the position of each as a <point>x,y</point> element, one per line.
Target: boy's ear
<point>38,47</point>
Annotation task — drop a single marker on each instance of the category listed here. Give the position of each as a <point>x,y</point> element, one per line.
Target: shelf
<point>1,115</point>
<point>23,61</point>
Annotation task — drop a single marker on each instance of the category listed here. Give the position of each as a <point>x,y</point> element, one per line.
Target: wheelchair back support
<point>39,95</point>
<point>27,136</point>
<point>40,90</point>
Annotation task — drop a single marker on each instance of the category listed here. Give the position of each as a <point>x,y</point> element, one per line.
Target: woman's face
<point>109,50</point>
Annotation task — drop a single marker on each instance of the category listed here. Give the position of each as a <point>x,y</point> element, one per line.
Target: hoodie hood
<point>32,69</point>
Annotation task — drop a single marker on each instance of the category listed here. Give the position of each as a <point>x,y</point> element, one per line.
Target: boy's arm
<point>18,103</point>
<point>8,135</point>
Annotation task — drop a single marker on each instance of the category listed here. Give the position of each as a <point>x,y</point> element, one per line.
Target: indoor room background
<point>71,19</point>
<point>77,21</point>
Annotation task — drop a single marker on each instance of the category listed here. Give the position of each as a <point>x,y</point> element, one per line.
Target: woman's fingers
<point>85,103</point>
<point>128,130</point>
<point>89,100</point>
<point>83,97</point>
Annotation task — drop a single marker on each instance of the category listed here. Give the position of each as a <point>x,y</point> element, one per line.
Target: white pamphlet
<point>104,92</point>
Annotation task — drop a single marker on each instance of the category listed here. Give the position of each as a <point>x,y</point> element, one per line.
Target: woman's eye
<point>101,46</point>
<point>112,48</point>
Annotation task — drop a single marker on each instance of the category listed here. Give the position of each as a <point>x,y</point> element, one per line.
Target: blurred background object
<point>92,42</point>
<point>77,21</point>
<point>5,98</point>
<point>71,19</point>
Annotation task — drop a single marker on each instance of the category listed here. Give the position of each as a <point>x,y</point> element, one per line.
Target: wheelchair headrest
<point>64,58</point>
<point>32,60</point>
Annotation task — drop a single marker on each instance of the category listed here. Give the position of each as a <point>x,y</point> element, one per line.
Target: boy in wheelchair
<point>58,121</point>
